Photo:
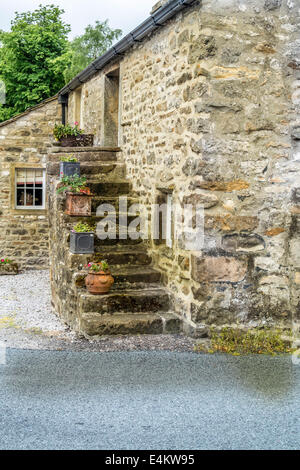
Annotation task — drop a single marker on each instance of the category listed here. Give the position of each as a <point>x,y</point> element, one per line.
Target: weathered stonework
<point>24,143</point>
<point>209,110</point>
<point>137,302</point>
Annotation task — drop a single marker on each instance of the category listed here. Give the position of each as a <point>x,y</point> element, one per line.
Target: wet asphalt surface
<point>147,400</point>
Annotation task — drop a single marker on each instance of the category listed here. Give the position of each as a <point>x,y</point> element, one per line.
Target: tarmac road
<point>147,400</point>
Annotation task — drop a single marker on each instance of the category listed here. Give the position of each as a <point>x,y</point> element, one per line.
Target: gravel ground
<point>27,321</point>
<point>26,299</point>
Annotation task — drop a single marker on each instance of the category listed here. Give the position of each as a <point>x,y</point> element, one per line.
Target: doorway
<point>111,109</point>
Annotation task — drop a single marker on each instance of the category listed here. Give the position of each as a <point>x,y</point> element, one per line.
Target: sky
<point>123,14</point>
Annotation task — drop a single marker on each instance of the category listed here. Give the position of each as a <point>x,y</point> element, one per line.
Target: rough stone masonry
<point>24,143</point>
<point>208,110</point>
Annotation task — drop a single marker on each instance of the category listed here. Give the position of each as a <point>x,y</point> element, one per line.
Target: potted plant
<point>7,267</point>
<point>69,166</point>
<point>99,280</point>
<point>82,239</point>
<point>78,195</point>
<point>69,136</point>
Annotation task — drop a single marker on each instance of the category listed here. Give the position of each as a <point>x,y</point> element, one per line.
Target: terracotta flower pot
<point>99,283</point>
<point>79,204</point>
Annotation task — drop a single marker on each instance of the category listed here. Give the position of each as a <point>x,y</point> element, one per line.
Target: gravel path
<point>27,321</point>
<point>26,300</point>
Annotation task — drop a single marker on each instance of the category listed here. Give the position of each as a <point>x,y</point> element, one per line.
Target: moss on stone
<point>240,342</point>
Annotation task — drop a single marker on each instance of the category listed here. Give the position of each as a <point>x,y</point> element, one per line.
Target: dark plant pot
<point>8,269</point>
<point>82,140</point>
<point>99,283</point>
<point>82,243</point>
<point>69,169</point>
<point>78,204</point>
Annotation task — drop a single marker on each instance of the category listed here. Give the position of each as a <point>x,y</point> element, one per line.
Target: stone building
<point>200,105</point>
<point>24,145</point>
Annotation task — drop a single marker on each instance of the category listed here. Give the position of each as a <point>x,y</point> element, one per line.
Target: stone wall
<point>210,112</point>
<point>24,141</point>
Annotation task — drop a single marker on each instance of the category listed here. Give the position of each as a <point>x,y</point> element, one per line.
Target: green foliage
<point>74,184</point>
<point>5,261</point>
<point>92,44</point>
<point>36,59</point>
<point>69,159</point>
<point>33,58</point>
<point>256,341</point>
<point>61,130</point>
<point>83,228</point>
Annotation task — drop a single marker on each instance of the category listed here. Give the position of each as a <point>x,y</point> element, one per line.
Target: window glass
<point>30,188</point>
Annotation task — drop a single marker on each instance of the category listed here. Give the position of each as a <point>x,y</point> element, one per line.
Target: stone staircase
<point>138,303</point>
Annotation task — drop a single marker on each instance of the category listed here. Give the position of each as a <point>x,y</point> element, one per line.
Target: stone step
<point>95,324</point>
<point>100,244</point>
<point>115,256</point>
<point>125,275</point>
<point>96,202</point>
<point>84,154</point>
<point>113,201</point>
<point>111,240</point>
<point>130,301</point>
<point>109,250</point>
<point>58,148</point>
<point>99,170</point>
<point>108,242</point>
<point>71,220</point>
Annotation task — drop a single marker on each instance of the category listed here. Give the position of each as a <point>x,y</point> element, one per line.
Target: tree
<point>95,41</point>
<point>33,58</point>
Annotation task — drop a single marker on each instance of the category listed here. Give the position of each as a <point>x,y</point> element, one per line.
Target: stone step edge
<point>132,269</point>
<point>59,149</point>
<point>128,277</point>
<point>170,323</point>
<point>95,216</point>
<point>119,249</point>
<point>95,164</point>
<point>137,293</point>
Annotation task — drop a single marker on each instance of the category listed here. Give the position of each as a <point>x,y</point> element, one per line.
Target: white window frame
<point>30,208</point>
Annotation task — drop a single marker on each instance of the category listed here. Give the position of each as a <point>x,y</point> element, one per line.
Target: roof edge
<point>153,22</point>
<point>28,110</point>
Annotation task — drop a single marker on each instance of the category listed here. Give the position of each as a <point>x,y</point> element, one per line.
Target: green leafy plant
<point>97,267</point>
<point>255,341</point>
<point>5,261</point>
<point>73,184</point>
<point>69,159</point>
<point>83,228</point>
<point>65,130</point>
<point>33,58</point>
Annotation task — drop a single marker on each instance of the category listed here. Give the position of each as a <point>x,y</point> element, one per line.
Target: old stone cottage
<point>198,104</point>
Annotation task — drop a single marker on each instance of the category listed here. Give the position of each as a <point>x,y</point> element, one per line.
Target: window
<point>111,109</point>
<point>30,188</point>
